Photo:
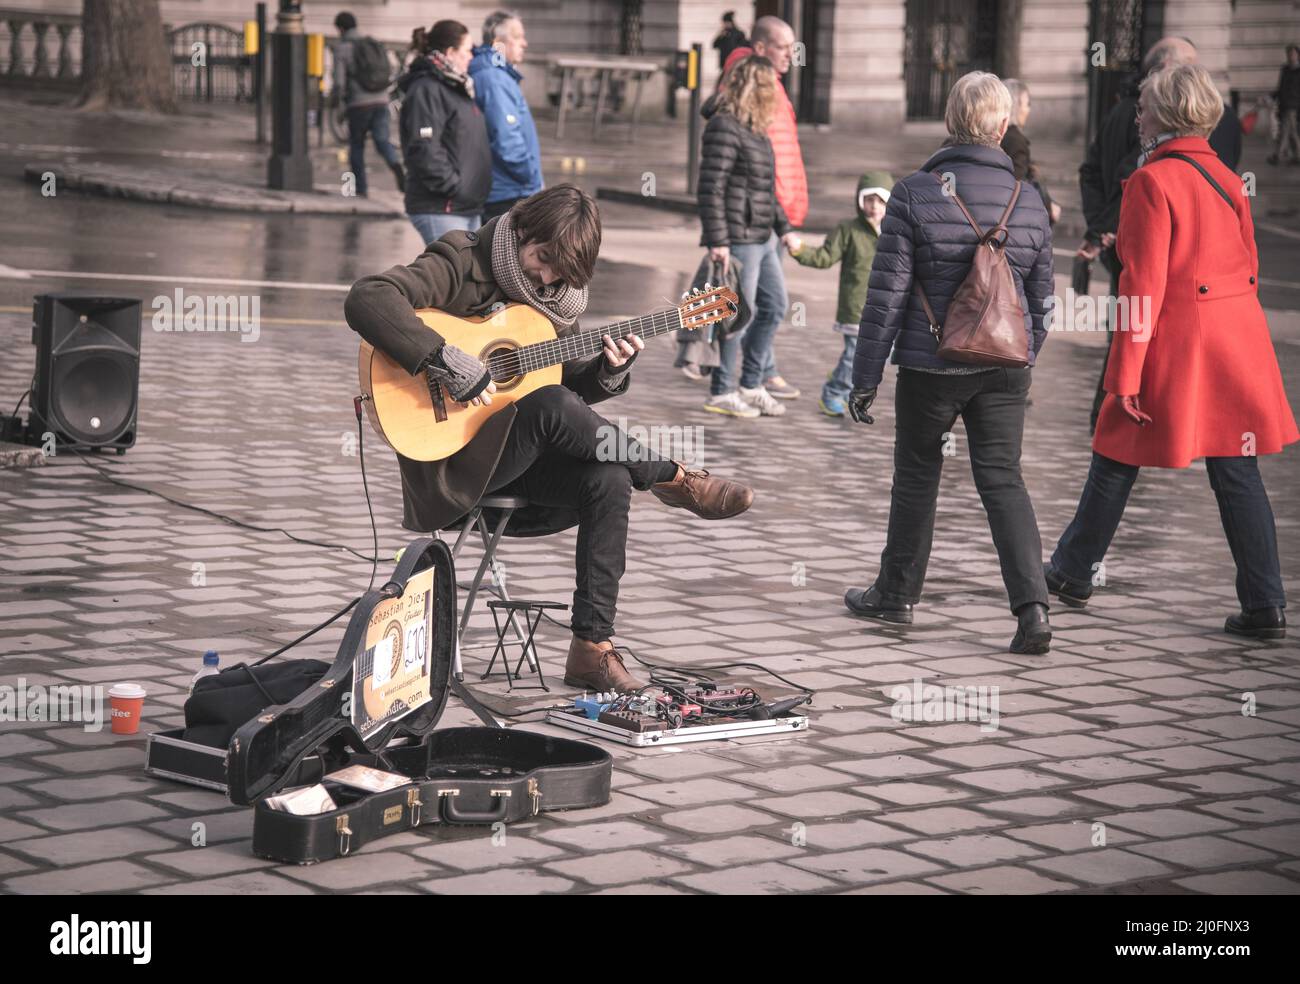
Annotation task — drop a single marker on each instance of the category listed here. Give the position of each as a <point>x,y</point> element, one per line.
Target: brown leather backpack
<point>985,324</point>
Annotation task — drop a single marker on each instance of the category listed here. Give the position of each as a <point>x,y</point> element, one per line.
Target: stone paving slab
<point>1121,761</point>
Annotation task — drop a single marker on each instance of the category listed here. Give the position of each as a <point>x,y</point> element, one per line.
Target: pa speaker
<point>87,370</point>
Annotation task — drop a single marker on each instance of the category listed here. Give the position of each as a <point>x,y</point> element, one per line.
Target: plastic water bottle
<point>210,661</point>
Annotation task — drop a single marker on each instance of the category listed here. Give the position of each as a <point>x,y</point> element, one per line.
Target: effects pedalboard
<point>668,714</point>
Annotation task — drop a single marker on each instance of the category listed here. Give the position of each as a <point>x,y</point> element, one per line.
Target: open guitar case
<point>477,775</point>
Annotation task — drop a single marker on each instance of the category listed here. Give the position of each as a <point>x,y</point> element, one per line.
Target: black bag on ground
<point>223,702</point>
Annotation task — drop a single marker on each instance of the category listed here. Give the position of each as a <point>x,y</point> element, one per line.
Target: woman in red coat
<point>1192,371</point>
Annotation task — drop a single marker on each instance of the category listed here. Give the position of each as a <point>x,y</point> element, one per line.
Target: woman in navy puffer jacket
<point>926,239</point>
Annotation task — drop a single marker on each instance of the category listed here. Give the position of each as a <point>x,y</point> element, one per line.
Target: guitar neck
<point>581,344</point>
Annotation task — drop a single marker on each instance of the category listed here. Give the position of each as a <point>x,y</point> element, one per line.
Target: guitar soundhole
<point>499,357</point>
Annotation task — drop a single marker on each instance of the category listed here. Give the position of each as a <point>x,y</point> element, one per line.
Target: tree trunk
<point>125,61</point>
<point>1010,24</point>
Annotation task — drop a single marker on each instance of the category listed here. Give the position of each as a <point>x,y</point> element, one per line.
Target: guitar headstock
<point>707,305</point>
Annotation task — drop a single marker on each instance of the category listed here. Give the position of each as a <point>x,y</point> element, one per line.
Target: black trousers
<point>1244,510</point>
<point>992,404</point>
<point>558,455</point>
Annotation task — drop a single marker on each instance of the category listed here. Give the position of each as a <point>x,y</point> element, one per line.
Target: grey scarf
<point>1149,146</point>
<point>562,304</point>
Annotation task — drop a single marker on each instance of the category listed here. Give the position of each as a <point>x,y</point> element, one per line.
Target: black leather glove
<point>860,401</point>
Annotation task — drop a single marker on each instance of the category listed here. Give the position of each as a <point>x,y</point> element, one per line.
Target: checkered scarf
<point>562,304</point>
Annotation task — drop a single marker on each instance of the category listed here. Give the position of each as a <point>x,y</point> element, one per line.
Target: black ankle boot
<point>1074,594</point>
<point>1259,623</point>
<point>1034,633</point>
<point>870,604</point>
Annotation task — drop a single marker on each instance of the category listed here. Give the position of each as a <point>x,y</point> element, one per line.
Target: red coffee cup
<point>124,703</point>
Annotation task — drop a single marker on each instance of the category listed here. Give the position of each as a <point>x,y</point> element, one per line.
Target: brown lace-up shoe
<point>707,497</point>
<point>597,666</point>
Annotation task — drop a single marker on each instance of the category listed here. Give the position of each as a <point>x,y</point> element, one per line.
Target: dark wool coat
<point>455,275</point>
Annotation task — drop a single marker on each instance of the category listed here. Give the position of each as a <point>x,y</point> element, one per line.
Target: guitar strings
<point>555,350</point>
<point>505,365</point>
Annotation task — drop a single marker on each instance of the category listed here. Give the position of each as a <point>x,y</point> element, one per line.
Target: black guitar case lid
<point>266,753</point>
<point>456,776</point>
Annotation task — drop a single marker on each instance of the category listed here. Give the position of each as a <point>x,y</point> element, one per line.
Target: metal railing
<point>208,63</point>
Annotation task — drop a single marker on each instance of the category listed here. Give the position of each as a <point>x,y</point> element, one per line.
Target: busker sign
<point>391,677</point>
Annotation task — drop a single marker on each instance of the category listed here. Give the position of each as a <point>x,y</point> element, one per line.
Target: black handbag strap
<point>1206,175</point>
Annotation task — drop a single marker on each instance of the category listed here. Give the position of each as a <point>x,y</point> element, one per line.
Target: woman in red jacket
<point>1192,371</point>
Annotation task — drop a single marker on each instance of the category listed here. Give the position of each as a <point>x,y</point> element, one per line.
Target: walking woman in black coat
<point>926,240</point>
<point>444,136</point>
<point>743,220</point>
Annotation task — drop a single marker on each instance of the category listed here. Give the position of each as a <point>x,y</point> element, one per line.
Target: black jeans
<point>553,457</point>
<point>992,404</point>
<point>1244,510</point>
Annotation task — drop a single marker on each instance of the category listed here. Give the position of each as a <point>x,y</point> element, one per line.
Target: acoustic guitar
<point>417,418</point>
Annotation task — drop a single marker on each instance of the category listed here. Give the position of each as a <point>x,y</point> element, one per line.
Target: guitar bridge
<point>436,395</point>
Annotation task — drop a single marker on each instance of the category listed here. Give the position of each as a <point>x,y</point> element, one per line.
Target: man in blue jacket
<point>516,154</point>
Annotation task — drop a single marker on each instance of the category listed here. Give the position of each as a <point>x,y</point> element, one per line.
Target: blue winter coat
<point>925,236</point>
<point>516,154</point>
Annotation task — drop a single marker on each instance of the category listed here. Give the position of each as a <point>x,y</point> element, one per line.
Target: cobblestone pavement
<point>1132,729</point>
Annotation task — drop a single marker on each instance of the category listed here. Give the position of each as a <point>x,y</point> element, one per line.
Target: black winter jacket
<point>924,236</point>
<point>1287,93</point>
<point>737,187</point>
<point>444,143</point>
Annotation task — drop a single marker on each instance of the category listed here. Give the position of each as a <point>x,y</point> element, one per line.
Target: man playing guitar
<point>545,445</point>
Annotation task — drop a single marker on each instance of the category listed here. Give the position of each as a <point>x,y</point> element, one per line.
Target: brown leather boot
<point>596,666</point>
<point>707,497</point>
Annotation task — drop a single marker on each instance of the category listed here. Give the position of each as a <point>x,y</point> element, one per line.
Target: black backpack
<point>370,65</point>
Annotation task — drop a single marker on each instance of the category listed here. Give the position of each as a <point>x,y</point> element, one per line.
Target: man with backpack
<point>361,79</point>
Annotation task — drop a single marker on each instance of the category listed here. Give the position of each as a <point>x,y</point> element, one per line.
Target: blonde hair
<point>977,105</point>
<point>749,92</point>
<point>1183,100</point>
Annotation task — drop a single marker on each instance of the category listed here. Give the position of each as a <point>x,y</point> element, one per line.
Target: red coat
<point>791,181</point>
<point>1203,362</point>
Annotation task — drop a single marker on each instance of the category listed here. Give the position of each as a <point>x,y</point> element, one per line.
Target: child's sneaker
<point>762,401</point>
<point>831,407</point>
<point>732,405</point>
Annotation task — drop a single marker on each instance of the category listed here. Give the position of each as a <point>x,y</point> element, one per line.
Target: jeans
<point>553,457</point>
<point>372,120</point>
<point>763,284</point>
<point>840,384</point>
<point>432,226</point>
<point>1244,510</point>
<point>1288,136</point>
<point>992,404</point>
